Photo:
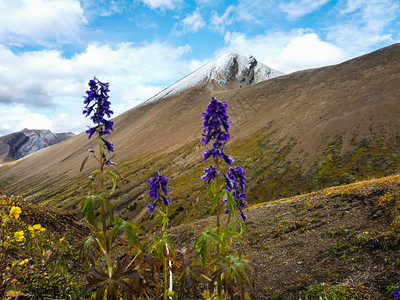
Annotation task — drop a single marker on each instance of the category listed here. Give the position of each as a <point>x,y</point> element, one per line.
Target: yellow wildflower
<point>23,262</point>
<point>19,235</point>
<point>62,239</point>
<point>35,229</point>
<point>15,212</point>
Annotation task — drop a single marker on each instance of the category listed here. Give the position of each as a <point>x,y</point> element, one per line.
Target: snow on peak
<point>230,68</point>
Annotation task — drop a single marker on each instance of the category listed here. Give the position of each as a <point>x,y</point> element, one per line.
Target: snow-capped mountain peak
<point>231,70</point>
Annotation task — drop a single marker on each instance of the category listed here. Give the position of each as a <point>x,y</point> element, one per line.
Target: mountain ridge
<point>27,141</point>
<point>224,71</point>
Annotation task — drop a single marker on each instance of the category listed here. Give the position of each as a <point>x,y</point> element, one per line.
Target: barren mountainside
<point>293,134</point>
<point>19,144</point>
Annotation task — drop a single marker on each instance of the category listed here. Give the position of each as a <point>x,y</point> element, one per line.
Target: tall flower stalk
<point>98,107</point>
<point>110,280</point>
<point>158,190</point>
<point>216,125</point>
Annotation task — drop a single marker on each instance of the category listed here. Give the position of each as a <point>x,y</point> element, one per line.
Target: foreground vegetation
<point>39,256</point>
<point>341,242</point>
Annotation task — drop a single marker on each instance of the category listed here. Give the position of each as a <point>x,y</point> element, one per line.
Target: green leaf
<point>130,230</point>
<point>164,217</point>
<point>211,187</point>
<point>243,228</point>
<point>231,205</point>
<point>87,209</point>
<point>114,180</point>
<point>106,203</point>
<point>202,244</point>
<point>101,144</point>
<point>95,173</point>
<point>217,197</point>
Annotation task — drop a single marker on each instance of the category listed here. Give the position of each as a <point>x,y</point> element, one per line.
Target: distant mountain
<point>292,134</point>
<point>20,144</point>
<point>229,71</point>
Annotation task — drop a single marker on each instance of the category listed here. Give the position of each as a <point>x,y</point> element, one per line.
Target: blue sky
<point>49,49</point>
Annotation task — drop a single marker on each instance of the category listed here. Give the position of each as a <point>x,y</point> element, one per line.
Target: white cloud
<point>220,22</point>
<point>296,9</point>
<point>286,51</point>
<point>162,4</point>
<point>19,117</point>
<point>54,86</point>
<point>38,20</point>
<point>308,51</point>
<point>193,22</point>
<point>363,25</point>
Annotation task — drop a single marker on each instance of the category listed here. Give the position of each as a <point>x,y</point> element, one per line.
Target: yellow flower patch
<point>35,229</point>
<point>15,211</point>
<point>24,262</point>
<point>19,235</point>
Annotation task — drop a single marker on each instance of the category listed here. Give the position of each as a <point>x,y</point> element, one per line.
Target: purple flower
<point>96,103</point>
<point>157,183</point>
<point>238,174</point>
<point>167,200</point>
<point>396,294</point>
<point>244,217</point>
<point>91,131</point>
<point>236,183</point>
<point>211,173</point>
<point>109,162</point>
<point>152,206</point>
<point>218,151</point>
<point>214,118</point>
<point>216,126</point>
<point>231,184</point>
<point>108,145</point>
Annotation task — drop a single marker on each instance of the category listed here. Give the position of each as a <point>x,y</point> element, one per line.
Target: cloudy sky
<point>49,49</point>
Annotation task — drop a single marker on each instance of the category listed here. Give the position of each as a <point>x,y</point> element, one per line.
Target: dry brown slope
<point>346,238</point>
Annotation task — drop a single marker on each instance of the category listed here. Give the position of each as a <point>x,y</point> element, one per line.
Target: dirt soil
<point>339,237</point>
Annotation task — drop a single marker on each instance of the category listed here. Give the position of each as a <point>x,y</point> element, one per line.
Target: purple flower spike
<point>215,117</point>
<point>157,183</point>
<point>96,103</point>
<point>216,125</point>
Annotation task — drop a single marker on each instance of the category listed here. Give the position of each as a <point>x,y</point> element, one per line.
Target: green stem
<point>219,279</point>
<point>106,238</point>
<point>164,265</point>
